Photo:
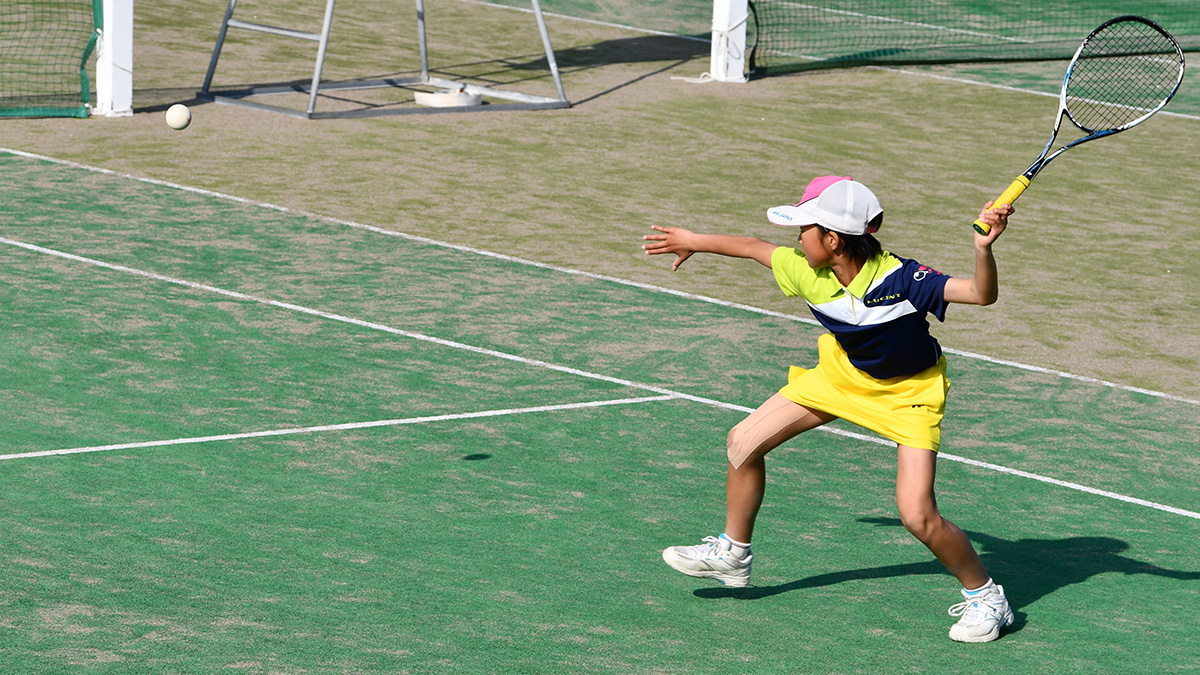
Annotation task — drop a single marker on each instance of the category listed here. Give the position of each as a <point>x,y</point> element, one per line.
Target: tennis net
<point>45,46</point>
<point>794,36</point>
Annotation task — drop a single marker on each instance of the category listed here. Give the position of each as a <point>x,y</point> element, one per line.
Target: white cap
<point>836,203</point>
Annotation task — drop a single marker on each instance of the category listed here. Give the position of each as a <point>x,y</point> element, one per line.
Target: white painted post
<point>114,63</point>
<point>729,40</point>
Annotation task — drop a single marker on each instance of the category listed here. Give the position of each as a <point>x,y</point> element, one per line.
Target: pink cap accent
<point>817,185</point>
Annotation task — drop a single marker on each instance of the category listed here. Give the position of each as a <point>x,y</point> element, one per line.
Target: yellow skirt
<point>907,410</point>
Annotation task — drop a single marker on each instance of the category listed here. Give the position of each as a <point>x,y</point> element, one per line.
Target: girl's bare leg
<point>915,472</point>
<point>774,422</point>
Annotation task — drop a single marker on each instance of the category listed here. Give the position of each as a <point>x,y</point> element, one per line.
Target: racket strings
<point>1123,73</point>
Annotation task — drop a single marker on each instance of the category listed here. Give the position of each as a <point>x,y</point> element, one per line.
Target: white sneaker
<point>983,616</point>
<point>714,559</point>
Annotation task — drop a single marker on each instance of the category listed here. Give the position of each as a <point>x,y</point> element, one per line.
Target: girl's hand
<point>672,240</point>
<point>997,217</point>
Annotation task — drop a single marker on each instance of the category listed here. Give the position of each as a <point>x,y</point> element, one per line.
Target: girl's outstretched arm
<point>683,243</point>
<point>984,288</point>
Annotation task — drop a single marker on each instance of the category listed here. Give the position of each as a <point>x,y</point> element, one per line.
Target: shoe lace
<point>711,545</point>
<point>974,610</point>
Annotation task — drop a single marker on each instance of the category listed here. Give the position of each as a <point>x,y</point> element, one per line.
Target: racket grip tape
<point>1010,195</point>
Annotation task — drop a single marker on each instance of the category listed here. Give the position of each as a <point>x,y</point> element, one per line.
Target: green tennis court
<point>411,400</point>
<point>240,438</point>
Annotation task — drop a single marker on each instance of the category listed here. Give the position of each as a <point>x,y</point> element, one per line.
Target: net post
<point>323,45</point>
<point>421,41</point>
<point>114,63</point>
<point>212,62</point>
<point>728,63</point>
<point>550,60</point>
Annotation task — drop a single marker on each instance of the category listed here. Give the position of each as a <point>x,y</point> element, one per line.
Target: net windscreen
<point>44,50</point>
<point>795,36</point>
<point>1125,71</point>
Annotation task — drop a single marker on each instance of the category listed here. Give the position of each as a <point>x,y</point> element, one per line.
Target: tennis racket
<point>1124,71</point>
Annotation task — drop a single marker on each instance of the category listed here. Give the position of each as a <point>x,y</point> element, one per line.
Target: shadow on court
<point>1029,569</point>
<point>666,52</point>
<point>641,49</point>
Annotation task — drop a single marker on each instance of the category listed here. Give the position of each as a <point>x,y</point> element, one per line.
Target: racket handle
<point>1010,195</point>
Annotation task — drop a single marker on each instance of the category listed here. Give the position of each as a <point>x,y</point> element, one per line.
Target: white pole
<point>541,22</point>
<point>729,40</point>
<point>114,63</point>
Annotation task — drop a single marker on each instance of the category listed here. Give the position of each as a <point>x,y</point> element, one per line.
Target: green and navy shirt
<point>880,319</point>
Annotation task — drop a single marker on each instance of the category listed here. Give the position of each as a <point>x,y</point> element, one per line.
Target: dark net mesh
<point>44,50</point>
<point>794,36</point>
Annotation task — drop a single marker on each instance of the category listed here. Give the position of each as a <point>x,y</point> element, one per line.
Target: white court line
<point>1073,486</point>
<point>567,270</point>
<point>960,80</point>
<point>364,324</point>
<point>873,17</point>
<point>594,22</point>
<point>349,426</point>
<point>665,393</point>
<point>915,24</point>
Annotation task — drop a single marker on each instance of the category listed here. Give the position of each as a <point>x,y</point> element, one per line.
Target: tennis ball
<point>179,117</point>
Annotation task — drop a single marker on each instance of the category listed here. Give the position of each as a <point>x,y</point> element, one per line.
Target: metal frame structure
<point>514,100</point>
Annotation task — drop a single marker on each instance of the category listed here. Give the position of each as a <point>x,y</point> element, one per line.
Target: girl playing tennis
<point>878,367</point>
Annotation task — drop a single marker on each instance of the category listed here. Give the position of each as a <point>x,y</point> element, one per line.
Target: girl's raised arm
<point>683,243</point>
<point>984,288</point>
